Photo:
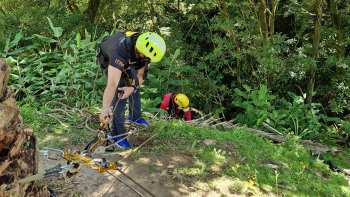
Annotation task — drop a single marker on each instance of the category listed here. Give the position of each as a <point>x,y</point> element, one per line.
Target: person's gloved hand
<point>127,92</point>
<point>105,114</point>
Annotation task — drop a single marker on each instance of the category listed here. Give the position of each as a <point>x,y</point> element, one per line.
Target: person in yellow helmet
<point>122,56</point>
<point>177,105</point>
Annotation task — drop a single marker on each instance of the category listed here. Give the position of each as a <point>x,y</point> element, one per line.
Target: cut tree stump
<point>18,145</point>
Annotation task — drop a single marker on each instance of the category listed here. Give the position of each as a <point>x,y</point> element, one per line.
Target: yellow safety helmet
<point>151,45</point>
<point>182,101</point>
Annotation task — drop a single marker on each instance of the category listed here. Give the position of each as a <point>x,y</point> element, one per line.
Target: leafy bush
<point>66,72</point>
<point>301,119</point>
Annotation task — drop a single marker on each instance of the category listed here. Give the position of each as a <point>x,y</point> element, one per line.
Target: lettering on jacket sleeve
<point>119,63</point>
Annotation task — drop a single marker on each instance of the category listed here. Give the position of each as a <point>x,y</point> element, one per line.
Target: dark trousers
<point>118,127</point>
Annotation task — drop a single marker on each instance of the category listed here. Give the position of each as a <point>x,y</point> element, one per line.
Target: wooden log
<point>17,158</point>
<point>5,71</point>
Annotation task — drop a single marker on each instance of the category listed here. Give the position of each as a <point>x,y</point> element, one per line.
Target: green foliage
<point>238,155</point>
<point>257,106</point>
<point>45,75</point>
<point>302,120</point>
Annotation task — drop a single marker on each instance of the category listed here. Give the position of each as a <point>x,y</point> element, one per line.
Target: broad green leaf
<point>262,92</point>
<point>35,86</point>
<point>23,49</point>
<point>16,86</point>
<point>247,105</point>
<point>45,92</point>
<point>69,58</point>
<point>28,59</point>
<point>294,96</point>
<point>15,41</point>
<point>238,103</point>
<point>281,116</point>
<point>268,121</point>
<point>87,55</point>
<point>57,31</point>
<point>40,59</point>
<point>186,68</point>
<point>242,94</point>
<point>30,76</point>
<point>31,67</point>
<point>54,55</point>
<point>165,61</point>
<point>74,47</point>
<point>179,82</point>
<point>10,61</point>
<point>78,38</point>
<point>324,117</point>
<point>254,96</point>
<point>269,97</point>
<point>275,113</point>
<point>334,119</point>
<point>259,120</point>
<point>88,44</point>
<point>46,39</point>
<point>154,110</point>
<point>246,87</point>
<point>103,36</point>
<point>281,122</point>
<point>55,65</point>
<point>87,36</point>
<point>32,98</point>
<point>69,42</point>
<point>153,84</point>
<point>28,38</point>
<point>157,71</point>
<point>177,53</point>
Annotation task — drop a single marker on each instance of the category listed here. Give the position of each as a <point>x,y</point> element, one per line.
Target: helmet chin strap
<point>145,72</point>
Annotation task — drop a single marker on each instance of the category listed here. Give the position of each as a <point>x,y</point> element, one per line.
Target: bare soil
<point>157,172</point>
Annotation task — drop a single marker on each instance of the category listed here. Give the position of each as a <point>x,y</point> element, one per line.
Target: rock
<point>209,142</point>
<point>191,153</point>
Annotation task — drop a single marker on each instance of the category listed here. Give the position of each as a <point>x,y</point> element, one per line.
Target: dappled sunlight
<point>58,132</point>
<point>345,189</point>
<point>47,138</point>
<point>143,160</point>
<point>230,186</point>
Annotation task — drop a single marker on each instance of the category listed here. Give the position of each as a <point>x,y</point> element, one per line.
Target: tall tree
<point>337,26</point>
<point>91,10</point>
<point>315,45</point>
<point>153,18</point>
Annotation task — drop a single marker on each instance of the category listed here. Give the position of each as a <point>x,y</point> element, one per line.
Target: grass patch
<point>248,158</point>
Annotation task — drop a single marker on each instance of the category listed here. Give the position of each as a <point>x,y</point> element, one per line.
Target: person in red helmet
<point>177,105</point>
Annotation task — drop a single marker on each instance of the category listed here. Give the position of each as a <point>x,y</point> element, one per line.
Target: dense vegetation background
<point>282,62</point>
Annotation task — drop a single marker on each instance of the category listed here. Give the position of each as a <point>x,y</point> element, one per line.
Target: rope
<point>73,115</point>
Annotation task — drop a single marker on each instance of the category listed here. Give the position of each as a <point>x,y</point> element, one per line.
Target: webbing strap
<point>145,73</point>
<point>171,107</point>
<point>131,56</point>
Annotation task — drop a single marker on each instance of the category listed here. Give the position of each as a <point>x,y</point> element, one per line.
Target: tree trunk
<point>316,42</point>
<point>262,18</point>
<point>92,9</point>
<point>336,20</point>
<point>154,21</point>
<point>18,145</point>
